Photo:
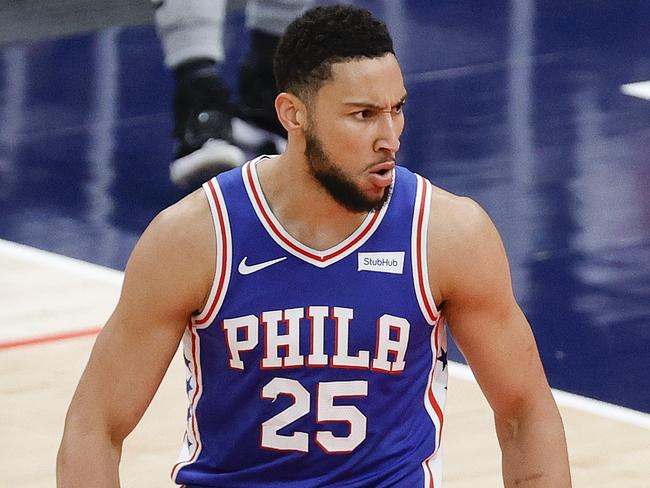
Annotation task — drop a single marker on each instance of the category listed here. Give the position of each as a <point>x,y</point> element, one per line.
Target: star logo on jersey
<point>246,269</point>
<point>443,358</point>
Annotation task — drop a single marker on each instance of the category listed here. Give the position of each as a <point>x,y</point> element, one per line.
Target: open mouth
<point>382,174</point>
<point>384,168</point>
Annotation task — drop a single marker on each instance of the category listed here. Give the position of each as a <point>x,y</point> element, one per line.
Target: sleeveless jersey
<point>311,368</point>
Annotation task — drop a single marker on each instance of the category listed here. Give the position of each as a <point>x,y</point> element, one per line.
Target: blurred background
<point>534,108</point>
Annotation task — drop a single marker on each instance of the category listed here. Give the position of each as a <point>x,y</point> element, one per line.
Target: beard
<point>337,184</point>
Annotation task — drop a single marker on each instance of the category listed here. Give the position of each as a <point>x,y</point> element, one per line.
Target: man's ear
<point>291,111</point>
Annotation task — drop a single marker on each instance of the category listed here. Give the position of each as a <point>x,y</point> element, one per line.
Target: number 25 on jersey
<point>326,411</point>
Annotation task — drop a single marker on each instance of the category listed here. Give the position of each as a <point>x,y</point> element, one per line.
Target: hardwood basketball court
<point>608,446</point>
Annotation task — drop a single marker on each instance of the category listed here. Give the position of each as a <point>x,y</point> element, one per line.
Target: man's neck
<point>303,207</point>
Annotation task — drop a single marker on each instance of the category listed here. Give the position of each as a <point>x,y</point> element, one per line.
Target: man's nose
<point>390,131</point>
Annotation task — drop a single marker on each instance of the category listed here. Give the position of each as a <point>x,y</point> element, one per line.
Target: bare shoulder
<point>184,234</point>
<point>464,245</point>
<point>182,221</point>
<point>458,220</point>
<point>177,251</point>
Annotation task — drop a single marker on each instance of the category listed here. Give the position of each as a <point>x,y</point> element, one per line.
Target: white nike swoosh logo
<point>246,269</point>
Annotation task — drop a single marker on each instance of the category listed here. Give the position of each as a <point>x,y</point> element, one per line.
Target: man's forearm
<point>534,451</point>
<point>87,460</point>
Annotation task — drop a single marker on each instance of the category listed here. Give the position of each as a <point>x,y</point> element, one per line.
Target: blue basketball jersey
<point>312,368</point>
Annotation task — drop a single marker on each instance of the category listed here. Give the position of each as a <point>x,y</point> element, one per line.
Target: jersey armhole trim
<point>421,213</point>
<point>192,443</point>
<point>223,263</point>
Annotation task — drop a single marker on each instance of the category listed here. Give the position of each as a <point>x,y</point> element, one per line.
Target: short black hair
<point>323,36</point>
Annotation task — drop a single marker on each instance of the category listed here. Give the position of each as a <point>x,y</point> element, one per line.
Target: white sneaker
<point>214,157</point>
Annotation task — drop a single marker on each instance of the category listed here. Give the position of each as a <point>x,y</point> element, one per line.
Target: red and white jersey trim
<point>192,441</point>
<point>274,228</point>
<point>223,252</point>
<point>419,261</point>
<point>191,341</point>
<point>434,397</point>
<point>433,471</point>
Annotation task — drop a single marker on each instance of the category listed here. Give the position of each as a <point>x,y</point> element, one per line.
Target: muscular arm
<point>163,285</point>
<point>496,339</point>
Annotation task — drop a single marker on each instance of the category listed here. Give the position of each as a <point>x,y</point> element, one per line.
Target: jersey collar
<point>278,233</point>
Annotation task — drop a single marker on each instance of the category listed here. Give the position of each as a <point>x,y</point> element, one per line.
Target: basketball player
<point>311,292</point>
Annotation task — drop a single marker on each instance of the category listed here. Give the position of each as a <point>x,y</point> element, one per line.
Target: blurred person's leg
<point>266,21</point>
<point>191,33</point>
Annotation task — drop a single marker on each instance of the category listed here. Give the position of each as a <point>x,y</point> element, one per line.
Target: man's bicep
<point>133,351</point>
<point>501,351</point>
<point>488,324</point>
<point>122,375</point>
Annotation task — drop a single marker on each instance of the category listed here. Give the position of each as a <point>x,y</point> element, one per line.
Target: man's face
<point>354,124</point>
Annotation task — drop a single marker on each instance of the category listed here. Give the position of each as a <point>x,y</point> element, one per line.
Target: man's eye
<point>399,108</point>
<point>363,114</point>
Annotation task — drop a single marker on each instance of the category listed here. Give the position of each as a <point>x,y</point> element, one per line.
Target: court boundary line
<point>581,403</point>
<point>69,265</point>
<point>48,258</point>
<point>44,339</point>
<point>639,89</point>
<point>456,370</point>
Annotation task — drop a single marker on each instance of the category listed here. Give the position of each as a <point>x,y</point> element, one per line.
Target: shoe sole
<point>251,138</point>
<point>214,157</point>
